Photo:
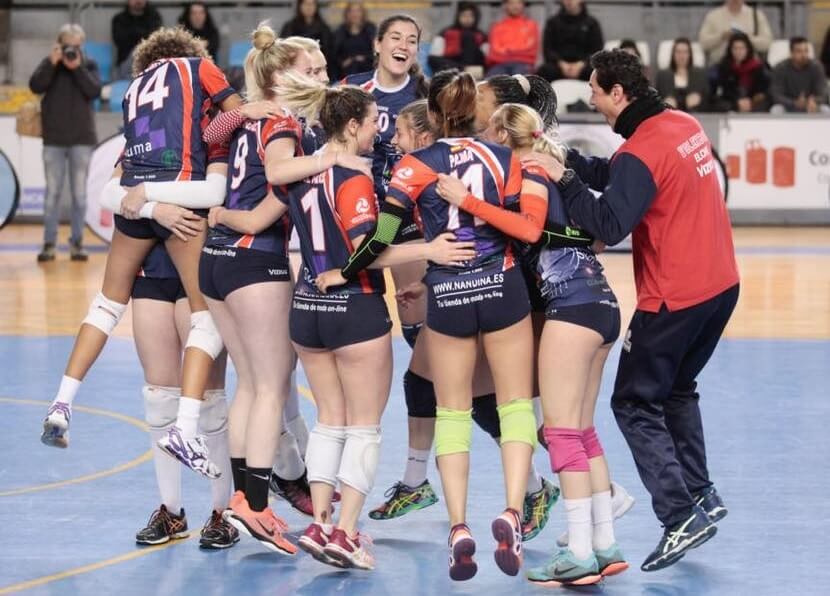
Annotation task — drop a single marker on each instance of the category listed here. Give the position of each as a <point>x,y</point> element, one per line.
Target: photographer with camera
<point>69,83</point>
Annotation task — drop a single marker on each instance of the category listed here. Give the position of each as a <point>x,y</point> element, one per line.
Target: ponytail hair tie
<point>537,134</point>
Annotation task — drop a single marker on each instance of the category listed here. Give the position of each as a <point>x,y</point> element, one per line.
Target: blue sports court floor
<point>69,517</point>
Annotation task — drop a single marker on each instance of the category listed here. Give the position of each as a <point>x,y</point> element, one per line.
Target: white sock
<point>416,467</point>
<point>603,518</point>
<point>217,444</point>
<point>534,481</point>
<point>578,513</point>
<point>187,420</point>
<point>168,474</point>
<point>289,463</point>
<point>297,427</point>
<point>67,390</point>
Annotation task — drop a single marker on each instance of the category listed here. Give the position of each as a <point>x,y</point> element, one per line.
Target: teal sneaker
<point>610,560</point>
<point>537,508</point>
<point>403,499</point>
<point>564,569</point>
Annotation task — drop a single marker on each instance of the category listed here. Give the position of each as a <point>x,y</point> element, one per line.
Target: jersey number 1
<point>311,207</point>
<point>154,92</point>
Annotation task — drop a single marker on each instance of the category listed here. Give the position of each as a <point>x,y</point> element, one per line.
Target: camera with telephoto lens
<point>70,52</point>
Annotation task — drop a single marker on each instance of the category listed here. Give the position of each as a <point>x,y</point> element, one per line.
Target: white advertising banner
<point>101,164</point>
<point>26,157</point>
<point>777,163</point>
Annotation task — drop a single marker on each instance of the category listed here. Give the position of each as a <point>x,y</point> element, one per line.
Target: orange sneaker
<point>263,525</point>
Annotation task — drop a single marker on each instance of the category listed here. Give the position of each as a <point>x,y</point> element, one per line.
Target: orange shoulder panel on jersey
<point>355,201</point>
<point>212,79</point>
<point>410,177</point>
<point>513,183</point>
<point>535,172</point>
<point>218,152</point>
<point>281,127</point>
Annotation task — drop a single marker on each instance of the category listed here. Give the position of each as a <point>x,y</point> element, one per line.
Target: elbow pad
<point>389,222</point>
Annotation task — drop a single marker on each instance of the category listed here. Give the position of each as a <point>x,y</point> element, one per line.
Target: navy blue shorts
<point>223,269</point>
<point>602,317</point>
<point>534,294</point>
<point>462,305</point>
<point>147,228</point>
<point>331,321</point>
<point>165,289</point>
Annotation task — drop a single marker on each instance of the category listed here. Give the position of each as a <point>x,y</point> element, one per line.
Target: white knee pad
<point>213,417</point>
<point>359,463</point>
<point>161,405</point>
<point>104,313</point>
<point>325,450</point>
<point>203,334</point>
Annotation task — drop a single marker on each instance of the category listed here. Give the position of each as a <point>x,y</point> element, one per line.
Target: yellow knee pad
<point>453,431</point>
<point>518,422</point>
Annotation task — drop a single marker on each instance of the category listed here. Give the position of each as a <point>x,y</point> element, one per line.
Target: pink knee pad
<point>593,448</point>
<point>567,453</point>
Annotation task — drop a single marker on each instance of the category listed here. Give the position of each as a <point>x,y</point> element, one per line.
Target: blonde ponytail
<point>267,56</point>
<point>525,129</point>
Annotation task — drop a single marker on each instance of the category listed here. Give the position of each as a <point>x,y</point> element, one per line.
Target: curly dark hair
<point>536,93</point>
<point>616,67</point>
<point>167,42</point>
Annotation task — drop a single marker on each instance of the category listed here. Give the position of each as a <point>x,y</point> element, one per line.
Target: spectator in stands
<point>196,19</point>
<point>69,83</point>
<point>743,80</point>
<point>354,41</point>
<point>825,53</point>
<point>630,46</point>
<point>571,36</point>
<point>307,22</point>
<point>138,20</point>
<point>799,84</point>
<point>733,17</point>
<point>514,42</point>
<point>684,85</point>
<point>462,45</point>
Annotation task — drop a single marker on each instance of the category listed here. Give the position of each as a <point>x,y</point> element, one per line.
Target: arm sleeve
<point>612,216</point>
<point>88,79</point>
<point>374,243</point>
<point>192,195</point>
<point>525,225</point>
<point>356,206</point>
<point>776,90</point>
<point>594,171</point>
<point>222,126</point>
<point>42,77</point>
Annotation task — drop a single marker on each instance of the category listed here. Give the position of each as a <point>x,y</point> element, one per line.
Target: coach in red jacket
<point>662,186</point>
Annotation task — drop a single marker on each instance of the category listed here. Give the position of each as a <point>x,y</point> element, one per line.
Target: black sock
<point>256,487</point>
<point>238,469</point>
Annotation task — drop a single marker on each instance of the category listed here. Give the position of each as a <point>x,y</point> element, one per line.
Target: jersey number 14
<point>153,91</point>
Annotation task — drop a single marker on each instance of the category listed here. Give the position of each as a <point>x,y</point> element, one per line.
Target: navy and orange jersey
<point>390,102</point>
<point>248,186</point>
<point>329,211</point>
<point>491,174</point>
<point>162,110</point>
<point>158,264</point>
<point>567,276</point>
<point>314,137</point>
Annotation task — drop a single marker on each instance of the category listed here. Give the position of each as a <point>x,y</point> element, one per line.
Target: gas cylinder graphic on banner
<point>733,166</point>
<point>756,162</point>
<point>783,166</point>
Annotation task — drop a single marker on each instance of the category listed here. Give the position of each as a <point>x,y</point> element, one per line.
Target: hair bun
<point>264,37</point>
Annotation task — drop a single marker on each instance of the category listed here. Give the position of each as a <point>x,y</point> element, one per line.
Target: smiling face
<point>367,130</point>
<point>398,48</point>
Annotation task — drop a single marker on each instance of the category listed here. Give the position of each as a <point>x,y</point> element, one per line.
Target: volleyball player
<point>165,161</point>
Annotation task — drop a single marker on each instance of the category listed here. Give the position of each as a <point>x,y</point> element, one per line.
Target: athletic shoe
<point>611,560</point>
<point>350,552</point>
<point>314,541</point>
<point>564,569</point>
<point>507,530</point>
<point>163,527</point>
<point>193,453</point>
<point>263,525</point>
<point>462,548</point>
<point>296,492</point>
<point>56,425</point>
<point>77,252</point>
<point>218,533</point>
<point>537,508</point>
<point>402,499</point>
<point>47,254</point>
<point>709,500</point>
<point>679,538</point>
<point>621,502</point>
